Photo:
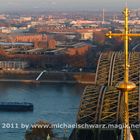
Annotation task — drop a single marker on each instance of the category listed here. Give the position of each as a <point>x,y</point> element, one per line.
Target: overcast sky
<point>9,5</point>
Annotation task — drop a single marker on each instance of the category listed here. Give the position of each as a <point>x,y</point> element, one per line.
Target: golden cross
<point>125,86</point>
<point>125,36</point>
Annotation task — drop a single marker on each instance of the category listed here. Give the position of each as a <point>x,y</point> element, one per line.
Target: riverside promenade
<point>47,77</point>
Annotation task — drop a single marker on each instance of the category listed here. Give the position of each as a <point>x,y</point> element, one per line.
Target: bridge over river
<point>101,103</point>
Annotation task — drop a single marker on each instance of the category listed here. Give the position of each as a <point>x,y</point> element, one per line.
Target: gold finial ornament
<point>125,86</point>
<point>109,35</point>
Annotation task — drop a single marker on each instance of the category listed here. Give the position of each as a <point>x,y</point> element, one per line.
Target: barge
<point>16,106</point>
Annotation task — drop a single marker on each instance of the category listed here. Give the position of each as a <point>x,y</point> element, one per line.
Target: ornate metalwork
<point>102,103</point>
<point>110,70</point>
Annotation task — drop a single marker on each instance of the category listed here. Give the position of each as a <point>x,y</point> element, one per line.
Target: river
<point>55,103</point>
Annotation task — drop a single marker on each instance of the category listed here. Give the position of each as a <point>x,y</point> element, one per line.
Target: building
<point>13,65</point>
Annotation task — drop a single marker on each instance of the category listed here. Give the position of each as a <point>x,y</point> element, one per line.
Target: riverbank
<point>46,81</point>
<point>47,77</point>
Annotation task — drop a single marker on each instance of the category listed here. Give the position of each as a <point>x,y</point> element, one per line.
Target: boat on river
<point>16,106</point>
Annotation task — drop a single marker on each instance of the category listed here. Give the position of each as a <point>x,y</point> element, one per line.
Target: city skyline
<point>63,5</point>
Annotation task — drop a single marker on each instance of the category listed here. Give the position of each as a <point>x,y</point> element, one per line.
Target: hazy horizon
<point>65,5</point>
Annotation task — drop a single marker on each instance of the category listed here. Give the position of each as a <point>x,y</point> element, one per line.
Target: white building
<point>13,65</point>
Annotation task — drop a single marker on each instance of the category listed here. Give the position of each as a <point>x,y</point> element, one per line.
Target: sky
<point>65,5</point>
